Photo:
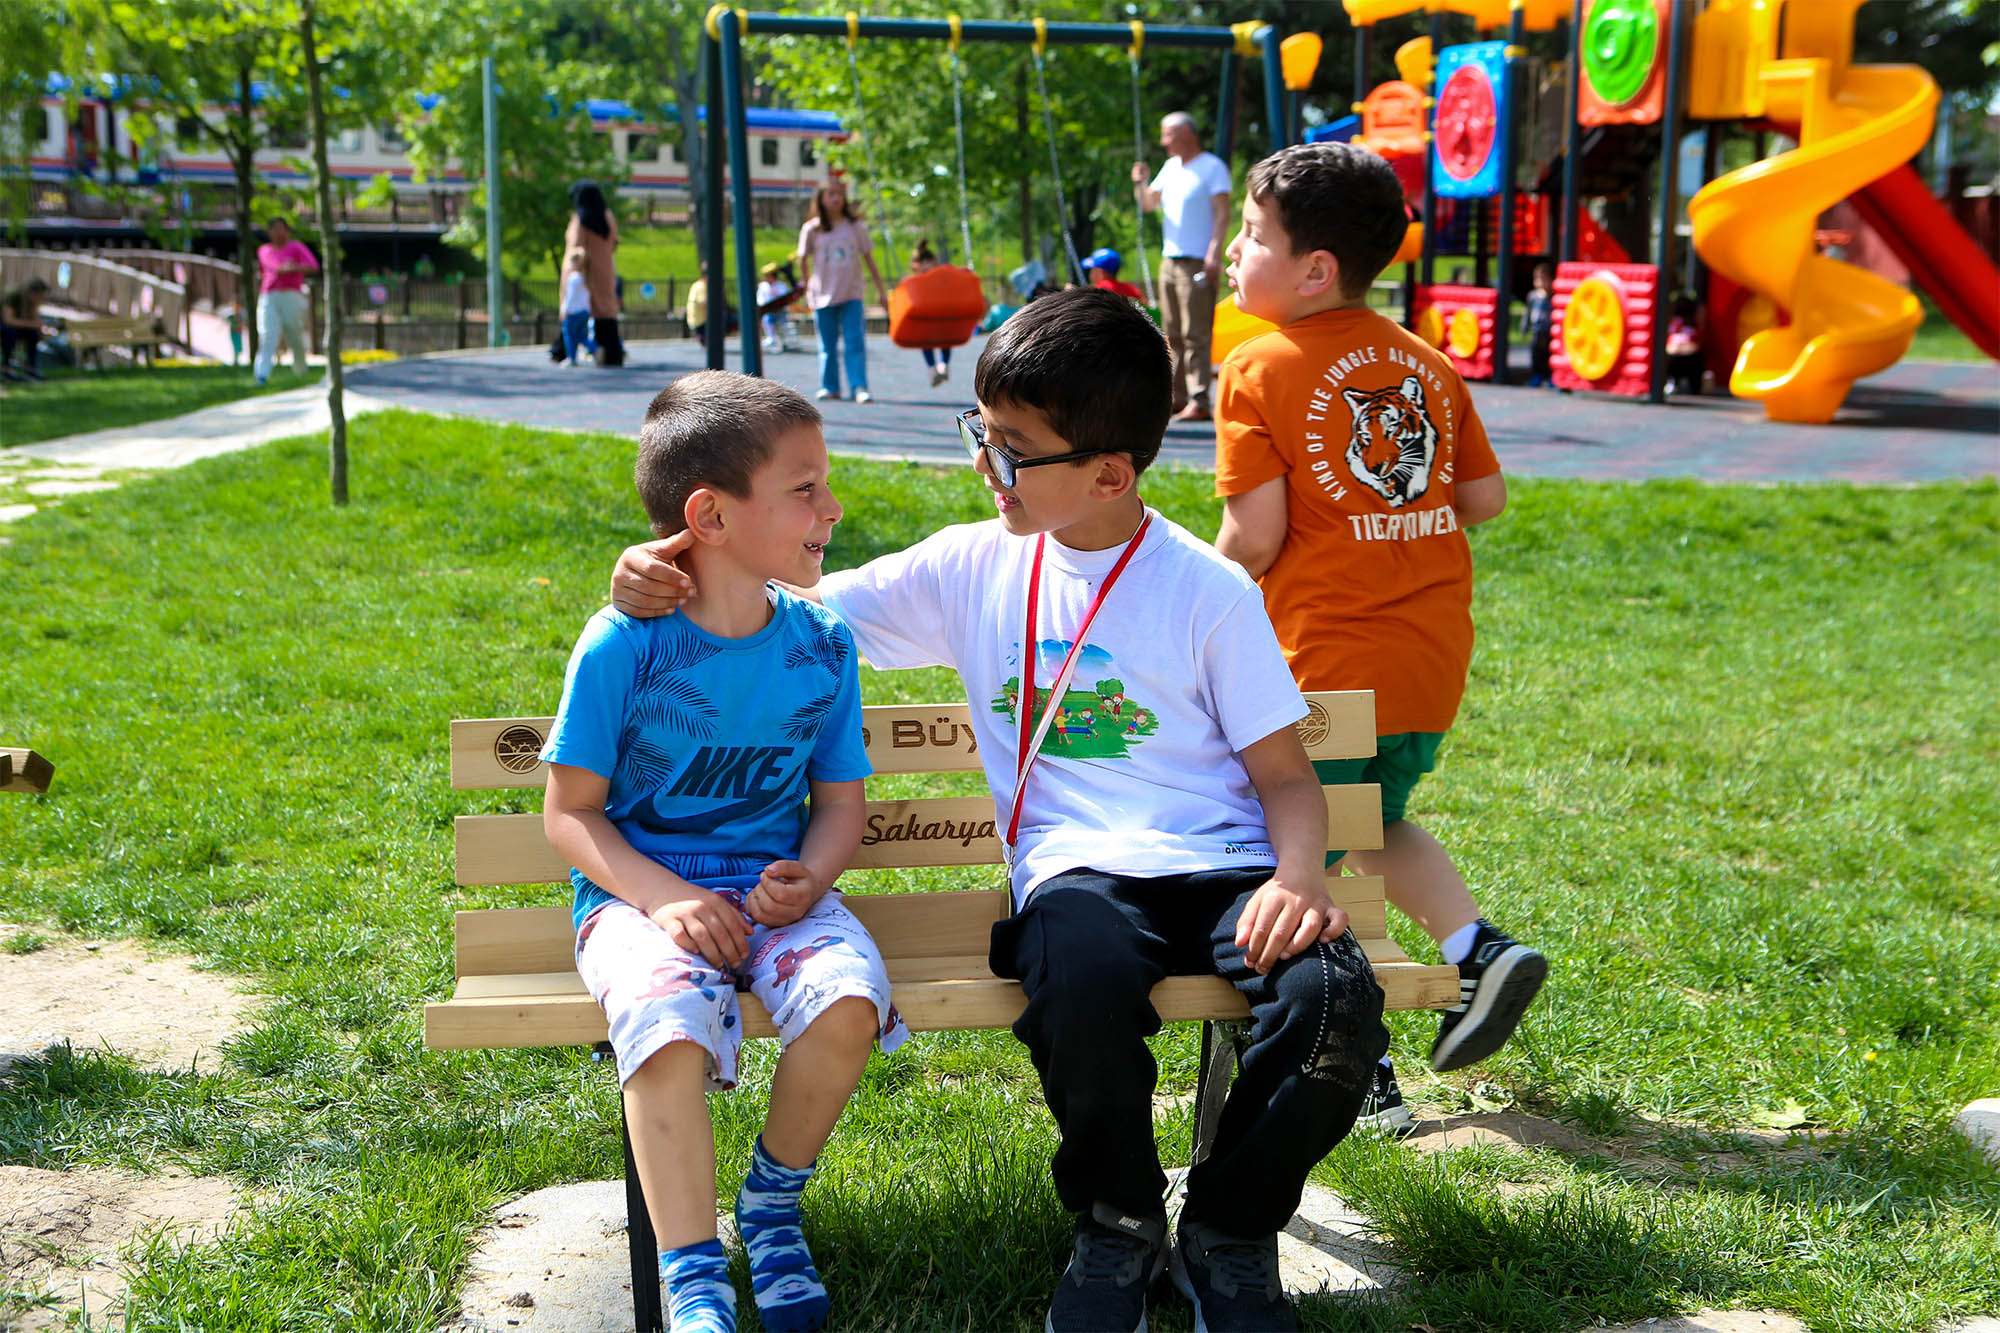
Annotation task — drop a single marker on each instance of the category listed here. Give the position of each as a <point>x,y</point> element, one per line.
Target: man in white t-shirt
<point>1191,195</point>
<point>1171,821</point>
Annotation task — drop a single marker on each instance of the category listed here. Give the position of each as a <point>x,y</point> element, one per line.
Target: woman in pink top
<point>833,247</point>
<point>282,266</point>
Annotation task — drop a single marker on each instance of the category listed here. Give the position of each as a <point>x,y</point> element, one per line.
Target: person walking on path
<point>576,306</point>
<point>1191,194</point>
<point>21,326</point>
<point>282,266</point>
<point>593,230</point>
<point>833,248</point>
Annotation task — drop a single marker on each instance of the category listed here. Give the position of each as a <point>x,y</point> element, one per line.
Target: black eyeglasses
<point>973,431</point>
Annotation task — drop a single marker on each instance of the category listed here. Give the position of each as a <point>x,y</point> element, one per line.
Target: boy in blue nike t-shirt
<point>680,768</point>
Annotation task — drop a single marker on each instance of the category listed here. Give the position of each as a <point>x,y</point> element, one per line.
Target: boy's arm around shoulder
<point>573,818</point>
<point>1254,526</point>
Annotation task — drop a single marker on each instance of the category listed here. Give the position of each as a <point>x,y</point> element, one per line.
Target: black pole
<point>711,222</point>
<point>1572,135</point>
<point>1425,264</point>
<point>739,200</point>
<point>1225,107</point>
<point>1558,223</point>
<point>1482,232</point>
<point>1361,34</point>
<point>1670,177</point>
<point>1503,311</point>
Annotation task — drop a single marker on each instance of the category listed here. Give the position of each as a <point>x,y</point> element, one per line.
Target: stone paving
<point>1919,421</point>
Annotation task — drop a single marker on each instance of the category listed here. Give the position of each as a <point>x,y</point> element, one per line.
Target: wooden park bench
<point>517,984</point>
<point>140,334</point>
<point>24,770</point>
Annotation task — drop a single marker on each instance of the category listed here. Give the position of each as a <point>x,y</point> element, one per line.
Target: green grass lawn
<point>1728,756</point>
<point>73,401</point>
<point>662,252</point>
<point>1938,339</point>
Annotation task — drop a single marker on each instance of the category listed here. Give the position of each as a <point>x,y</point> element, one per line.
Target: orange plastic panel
<point>939,307</point>
<point>1623,50</point>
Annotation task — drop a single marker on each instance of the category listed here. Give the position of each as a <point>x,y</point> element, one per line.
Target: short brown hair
<point>1337,198</point>
<point>712,428</point>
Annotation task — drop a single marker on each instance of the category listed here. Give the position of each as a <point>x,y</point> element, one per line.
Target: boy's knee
<point>1331,989</point>
<point>675,1063</point>
<point>850,1023</point>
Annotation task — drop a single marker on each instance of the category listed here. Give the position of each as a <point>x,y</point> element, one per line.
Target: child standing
<point>1199,848</point>
<point>232,315</point>
<point>1684,367</point>
<point>1351,461</point>
<point>1538,322</point>
<point>576,306</point>
<point>777,325</point>
<point>693,874</point>
<point>938,359</point>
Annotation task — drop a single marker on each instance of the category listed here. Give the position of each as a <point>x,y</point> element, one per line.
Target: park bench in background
<point>517,984</point>
<point>24,770</point>
<point>139,334</point>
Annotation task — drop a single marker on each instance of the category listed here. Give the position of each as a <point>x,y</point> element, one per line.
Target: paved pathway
<point>1920,421</point>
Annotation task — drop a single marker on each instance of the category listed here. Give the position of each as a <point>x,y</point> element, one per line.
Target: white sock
<point>1457,946</point>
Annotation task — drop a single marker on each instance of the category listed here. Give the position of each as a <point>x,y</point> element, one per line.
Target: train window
<point>187,130</point>
<point>673,150</point>
<point>808,153</point>
<point>642,148</point>
<point>767,152</point>
<point>347,141</point>
<point>293,138</point>
<point>390,137</point>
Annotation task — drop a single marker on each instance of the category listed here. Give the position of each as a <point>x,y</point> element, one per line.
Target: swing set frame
<point>728,139</point>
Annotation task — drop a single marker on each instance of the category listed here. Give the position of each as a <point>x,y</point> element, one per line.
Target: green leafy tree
<point>29,35</point>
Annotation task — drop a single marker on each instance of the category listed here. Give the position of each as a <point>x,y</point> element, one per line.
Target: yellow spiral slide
<point>1855,123</point>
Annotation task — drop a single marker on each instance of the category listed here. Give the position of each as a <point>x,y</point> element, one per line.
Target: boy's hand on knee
<point>1281,922</point>
<point>785,892</point>
<point>647,582</point>
<point>706,923</point>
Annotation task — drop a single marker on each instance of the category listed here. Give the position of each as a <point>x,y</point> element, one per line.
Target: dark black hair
<point>590,207</point>
<point>1337,198</point>
<point>712,428</point>
<point>1092,362</point>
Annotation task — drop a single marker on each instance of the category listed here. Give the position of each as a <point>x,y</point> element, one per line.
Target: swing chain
<point>868,141</point>
<point>1055,163</point>
<point>1139,155</point>
<point>958,127</point>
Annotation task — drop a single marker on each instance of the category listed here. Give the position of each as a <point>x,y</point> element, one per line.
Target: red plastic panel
<point>1448,301</point>
<point>1639,301</point>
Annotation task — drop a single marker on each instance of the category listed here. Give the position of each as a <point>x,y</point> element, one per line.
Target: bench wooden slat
<point>930,831</point>
<point>503,941</point>
<point>552,1008</point>
<point>499,752</point>
<point>24,770</point>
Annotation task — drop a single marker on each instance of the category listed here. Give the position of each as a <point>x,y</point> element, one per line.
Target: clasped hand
<point>705,922</point>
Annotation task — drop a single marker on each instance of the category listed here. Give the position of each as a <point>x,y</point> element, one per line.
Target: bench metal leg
<point>645,1248</point>
<point>1222,1043</point>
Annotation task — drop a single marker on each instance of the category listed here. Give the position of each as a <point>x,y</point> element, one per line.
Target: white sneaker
<point>824,394</point>
<point>863,396</point>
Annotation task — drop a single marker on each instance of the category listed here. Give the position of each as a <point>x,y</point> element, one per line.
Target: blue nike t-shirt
<point>707,742</point>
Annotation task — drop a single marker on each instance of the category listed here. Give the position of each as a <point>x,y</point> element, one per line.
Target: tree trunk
<point>242,150</point>
<point>1026,180</point>
<point>329,239</point>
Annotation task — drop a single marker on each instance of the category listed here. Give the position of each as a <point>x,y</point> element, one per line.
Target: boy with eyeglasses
<point>1192,842</point>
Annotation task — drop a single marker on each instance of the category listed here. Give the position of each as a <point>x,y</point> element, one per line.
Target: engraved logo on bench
<point>1314,726</point>
<point>518,749</point>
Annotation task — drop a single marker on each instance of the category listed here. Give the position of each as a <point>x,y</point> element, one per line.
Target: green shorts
<point>1399,763</point>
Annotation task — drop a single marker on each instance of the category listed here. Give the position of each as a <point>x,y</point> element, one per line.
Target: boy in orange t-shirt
<point>1351,460</point>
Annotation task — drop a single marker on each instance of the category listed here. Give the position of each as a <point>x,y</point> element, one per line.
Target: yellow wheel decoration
<point>1594,328</point>
<point>1464,334</point>
<point>1430,326</point>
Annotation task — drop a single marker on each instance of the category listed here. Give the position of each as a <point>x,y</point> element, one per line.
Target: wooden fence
<point>83,281</point>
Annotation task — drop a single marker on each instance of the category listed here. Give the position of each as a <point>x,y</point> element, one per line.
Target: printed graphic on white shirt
<point>1095,719</point>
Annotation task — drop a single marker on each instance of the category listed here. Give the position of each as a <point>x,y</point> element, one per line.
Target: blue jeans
<point>576,333</point>
<point>834,324</point>
<point>936,356</point>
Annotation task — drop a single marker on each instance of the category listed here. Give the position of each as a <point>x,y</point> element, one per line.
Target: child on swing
<point>937,358</point>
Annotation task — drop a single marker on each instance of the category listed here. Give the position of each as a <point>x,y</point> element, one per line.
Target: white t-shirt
<point>1180,672</point>
<point>576,296</point>
<point>1187,218</point>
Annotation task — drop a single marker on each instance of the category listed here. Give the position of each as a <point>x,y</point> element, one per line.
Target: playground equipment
<point>722,58</point>
<point>1808,325</point>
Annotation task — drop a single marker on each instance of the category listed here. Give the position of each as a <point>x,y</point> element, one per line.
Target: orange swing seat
<point>939,307</point>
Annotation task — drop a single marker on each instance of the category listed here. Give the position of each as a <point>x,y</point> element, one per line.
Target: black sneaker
<point>1115,1260</point>
<point>1233,1283</point>
<point>1382,1110</point>
<point>1496,984</point>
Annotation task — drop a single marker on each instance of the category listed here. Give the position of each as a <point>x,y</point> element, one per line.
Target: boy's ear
<point>704,516</point>
<point>1115,476</point>
<point>1322,275</point>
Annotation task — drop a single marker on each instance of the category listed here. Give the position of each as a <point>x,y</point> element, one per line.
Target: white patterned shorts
<point>655,993</point>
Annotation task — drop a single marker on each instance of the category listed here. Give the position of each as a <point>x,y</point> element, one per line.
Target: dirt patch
<point>155,1008</point>
<point>63,1235</point>
<point>1649,1149</point>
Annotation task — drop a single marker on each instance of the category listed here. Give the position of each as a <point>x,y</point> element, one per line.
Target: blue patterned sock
<point>787,1286</point>
<point>699,1298</point>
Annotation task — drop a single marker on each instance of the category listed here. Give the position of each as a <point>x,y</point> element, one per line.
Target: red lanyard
<point>1031,744</point>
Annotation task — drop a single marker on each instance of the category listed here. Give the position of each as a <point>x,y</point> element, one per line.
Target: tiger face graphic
<point>1394,442</point>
